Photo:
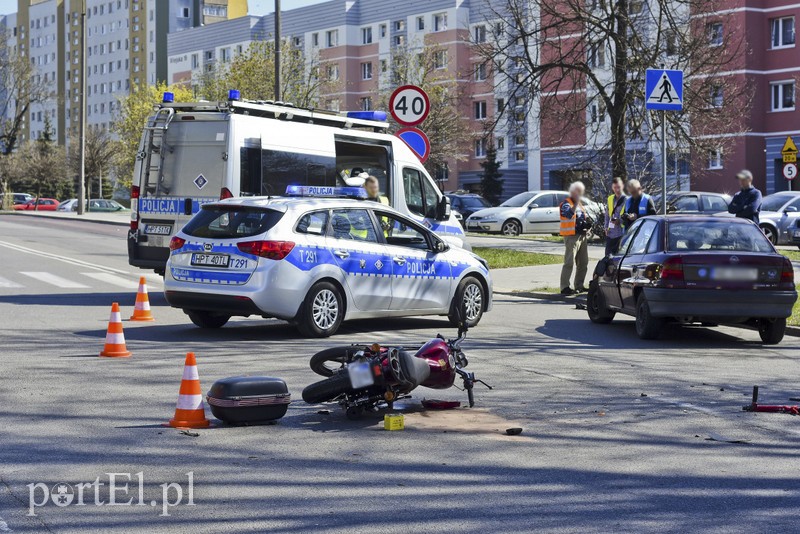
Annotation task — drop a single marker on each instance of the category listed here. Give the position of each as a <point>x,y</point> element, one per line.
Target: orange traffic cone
<point>115,339</point>
<point>141,311</point>
<point>190,411</point>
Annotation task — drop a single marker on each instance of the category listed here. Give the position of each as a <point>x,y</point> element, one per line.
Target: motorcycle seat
<point>415,370</point>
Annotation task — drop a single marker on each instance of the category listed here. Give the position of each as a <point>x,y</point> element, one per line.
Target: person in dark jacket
<point>638,205</point>
<point>746,204</point>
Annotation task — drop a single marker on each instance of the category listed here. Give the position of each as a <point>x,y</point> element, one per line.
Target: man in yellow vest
<point>373,189</point>
<point>615,208</point>
<point>574,226</point>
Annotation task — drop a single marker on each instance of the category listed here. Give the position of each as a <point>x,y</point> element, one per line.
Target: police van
<point>195,153</point>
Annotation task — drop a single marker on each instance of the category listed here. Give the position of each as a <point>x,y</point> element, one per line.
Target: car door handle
<point>399,260</point>
<point>342,254</point>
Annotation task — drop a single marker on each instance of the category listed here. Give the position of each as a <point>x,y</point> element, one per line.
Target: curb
<point>581,300</point>
<point>95,221</point>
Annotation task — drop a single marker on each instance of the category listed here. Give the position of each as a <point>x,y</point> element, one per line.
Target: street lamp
<point>82,186</point>
<point>277,50</point>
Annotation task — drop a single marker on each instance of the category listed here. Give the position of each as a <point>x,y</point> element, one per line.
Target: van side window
<point>421,196</point>
<point>269,172</point>
<point>354,158</point>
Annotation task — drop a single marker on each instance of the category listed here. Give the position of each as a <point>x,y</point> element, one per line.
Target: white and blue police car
<point>316,257</point>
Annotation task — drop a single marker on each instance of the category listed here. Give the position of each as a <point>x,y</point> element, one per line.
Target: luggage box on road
<point>248,399</point>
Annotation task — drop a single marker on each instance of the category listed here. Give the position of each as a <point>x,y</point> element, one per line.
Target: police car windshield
<point>517,201</point>
<point>231,222</point>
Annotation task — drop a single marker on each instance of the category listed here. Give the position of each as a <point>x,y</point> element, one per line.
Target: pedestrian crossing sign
<point>664,89</point>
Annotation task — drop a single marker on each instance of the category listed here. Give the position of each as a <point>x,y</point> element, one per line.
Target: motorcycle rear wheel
<point>327,390</point>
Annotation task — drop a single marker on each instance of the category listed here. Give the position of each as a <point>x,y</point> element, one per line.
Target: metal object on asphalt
<point>754,406</point>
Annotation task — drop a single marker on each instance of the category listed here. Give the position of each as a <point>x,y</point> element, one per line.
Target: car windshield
<point>474,202</point>
<point>231,222</point>
<point>517,201</point>
<point>705,235</point>
<point>775,202</point>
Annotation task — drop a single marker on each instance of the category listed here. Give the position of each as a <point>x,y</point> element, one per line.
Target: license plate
<point>158,229</point>
<point>213,260</point>
<point>735,274</point>
<point>360,375</point>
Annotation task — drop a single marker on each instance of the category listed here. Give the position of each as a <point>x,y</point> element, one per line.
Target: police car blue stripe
<point>209,277</point>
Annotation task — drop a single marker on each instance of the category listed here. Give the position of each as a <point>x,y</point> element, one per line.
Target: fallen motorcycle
<point>367,378</point>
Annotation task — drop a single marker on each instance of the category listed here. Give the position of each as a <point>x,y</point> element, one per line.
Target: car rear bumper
<point>223,304</point>
<point>717,303</point>
<point>146,257</point>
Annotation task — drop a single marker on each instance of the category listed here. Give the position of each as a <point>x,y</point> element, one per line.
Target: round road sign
<point>790,171</point>
<point>417,141</point>
<point>409,105</point>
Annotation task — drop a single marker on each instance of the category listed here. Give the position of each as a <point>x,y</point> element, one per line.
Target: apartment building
<point>354,41</point>
<point>126,47</point>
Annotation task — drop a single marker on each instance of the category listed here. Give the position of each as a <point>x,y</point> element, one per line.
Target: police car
<point>316,257</point>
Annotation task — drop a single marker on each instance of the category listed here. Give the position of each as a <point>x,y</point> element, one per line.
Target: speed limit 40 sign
<point>409,105</point>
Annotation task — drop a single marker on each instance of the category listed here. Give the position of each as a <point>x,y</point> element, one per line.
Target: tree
<point>253,73</point>
<point>129,122</point>
<point>100,153</point>
<point>39,166</point>
<point>20,88</point>
<point>446,126</point>
<point>579,61</point>
<point>491,184</point>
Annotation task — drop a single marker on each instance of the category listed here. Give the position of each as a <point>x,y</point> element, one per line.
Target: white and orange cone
<point>190,411</point>
<point>141,311</point>
<point>115,338</point>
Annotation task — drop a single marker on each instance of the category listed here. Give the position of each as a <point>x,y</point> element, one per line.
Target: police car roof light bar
<point>326,192</point>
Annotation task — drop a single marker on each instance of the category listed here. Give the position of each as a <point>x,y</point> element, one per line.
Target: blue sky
<point>257,7</point>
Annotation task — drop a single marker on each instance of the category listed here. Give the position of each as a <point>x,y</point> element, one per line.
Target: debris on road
<point>754,406</point>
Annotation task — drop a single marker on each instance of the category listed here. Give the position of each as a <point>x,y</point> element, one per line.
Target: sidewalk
<point>596,250</point>
<point>114,218</point>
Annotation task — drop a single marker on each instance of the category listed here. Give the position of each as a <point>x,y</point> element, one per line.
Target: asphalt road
<point>620,435</point>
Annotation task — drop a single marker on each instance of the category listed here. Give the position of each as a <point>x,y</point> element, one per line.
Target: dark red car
<point>695,269</point>
<point>40,204</point>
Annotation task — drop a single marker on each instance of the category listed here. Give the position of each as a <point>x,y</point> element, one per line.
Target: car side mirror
<point>790,209</point>
<point>533,206</point>
<point>443,209</point>
<point>441,246</point>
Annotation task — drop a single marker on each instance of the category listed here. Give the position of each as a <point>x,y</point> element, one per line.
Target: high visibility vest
<point>644,201</point>
<point>567,224</point>
<point>611,201</point>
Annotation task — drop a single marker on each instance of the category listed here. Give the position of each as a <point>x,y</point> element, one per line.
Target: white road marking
<point>114,280</point>
<point>64,259</point>
<point>8,283</point>
<point>54,280</point>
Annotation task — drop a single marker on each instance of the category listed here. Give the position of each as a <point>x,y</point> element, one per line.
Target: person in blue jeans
<point>746,204</point>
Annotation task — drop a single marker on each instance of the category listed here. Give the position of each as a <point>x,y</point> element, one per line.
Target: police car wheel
<point>468,303</point>
<point>205,319</point>
<point>322,312</point>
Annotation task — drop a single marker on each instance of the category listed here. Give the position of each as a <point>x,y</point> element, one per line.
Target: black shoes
<point>568,291</point>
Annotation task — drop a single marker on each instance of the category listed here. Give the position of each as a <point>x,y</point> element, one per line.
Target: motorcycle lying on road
<point>367,378</point>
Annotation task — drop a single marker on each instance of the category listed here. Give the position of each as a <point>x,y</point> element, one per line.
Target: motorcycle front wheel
<point>329,361</point>
<point>327,390</point>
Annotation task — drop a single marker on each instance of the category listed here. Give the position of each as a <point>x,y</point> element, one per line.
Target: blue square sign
<point>664,90</point>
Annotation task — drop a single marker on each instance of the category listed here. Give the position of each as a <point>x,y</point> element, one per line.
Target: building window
<point>399,25</point>
<point>671,41</point>
<point>782,32</point>
<point>715,159</point>
<point>597,56</point>
<point>399,40</point>
<point>782,96</point>
<point>501,104</point>
<point>716,96</point>
<point>333,105</point>
<point>440,59</point>
<point>297,41</point>
<point>480,109</point>
<point>210,10</point>
<point>366,103</point>
<point>382,30</point>
<point>480,148</point>
<point>315,39</point>
<point>384,65</point>
<point>366,71</point>
<point>519,156</point>
<point>185,12</point>
<point>332,38</point>
<point>225,54</point>
<point>440,22</point>
<point>480,72</point>
<point>480,34</point>
<point>501,143</point>
<point>714,33</point>
<point>519,116</point>
<point>519,140</point>
<point>420,23</point>
<point>366,35</point>
<point>635,7</point>
<point>333,72</point>
<point>597,112</point>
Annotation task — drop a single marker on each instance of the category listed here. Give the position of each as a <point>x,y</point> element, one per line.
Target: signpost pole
<point>664,161</point>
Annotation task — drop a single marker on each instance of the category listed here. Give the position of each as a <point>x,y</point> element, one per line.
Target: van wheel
<point>323,311</point>
<point>772,330</point>
<point>468,302</point>
<point>596,305</point>
<point>205,319</point>
<point>647,326</point>
<point>511,228</point>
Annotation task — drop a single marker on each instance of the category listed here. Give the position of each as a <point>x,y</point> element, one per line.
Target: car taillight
<point>134,208</point>
<point>787,273</point>
<point>135,191</point>
<point>272,250</point>
<point>176,242</point>
<point>225,193</point>
<point>672,271</point>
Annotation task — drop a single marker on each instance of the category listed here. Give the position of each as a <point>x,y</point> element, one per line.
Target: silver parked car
<point>780,218</point>
<point>533,212</point>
